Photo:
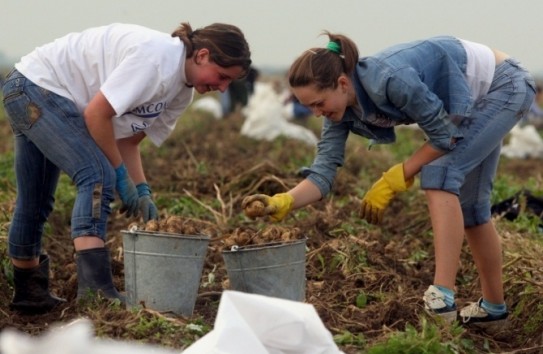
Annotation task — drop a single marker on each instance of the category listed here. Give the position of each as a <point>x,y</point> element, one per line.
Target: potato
<point>254,209</point>
<point>152,225</point>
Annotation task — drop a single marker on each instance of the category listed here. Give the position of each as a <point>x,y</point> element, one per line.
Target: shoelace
<point>472,310</point>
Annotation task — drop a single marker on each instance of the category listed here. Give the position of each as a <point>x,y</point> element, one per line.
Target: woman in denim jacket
<point>466,97</point>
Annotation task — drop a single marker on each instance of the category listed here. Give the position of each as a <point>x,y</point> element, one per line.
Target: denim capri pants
<point>469,169</point>
<point>51,136</point>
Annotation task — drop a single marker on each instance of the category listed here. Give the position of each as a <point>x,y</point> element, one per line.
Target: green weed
<point>7,176</point>
<point>183,205</point>
<point>407,142</point>
<point>65,197</point>
<point>361,300</point>
<point>418,256</point>
<point>153,327</point>
<point>194,331</point>
<point>533,324</point>
<point>348,338</point>
<point>428,340</point>
<point>7,269</point>
<point>507,185</point>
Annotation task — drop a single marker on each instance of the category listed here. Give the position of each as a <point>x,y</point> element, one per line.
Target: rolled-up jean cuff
<point>443,178</point>
<point>323,186</point>
<point>89,227</point>
<point>476,215</point>
<point>24,252</point>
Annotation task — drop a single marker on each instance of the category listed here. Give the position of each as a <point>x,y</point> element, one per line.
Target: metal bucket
<point>272,269</point>
<point>163,270</point>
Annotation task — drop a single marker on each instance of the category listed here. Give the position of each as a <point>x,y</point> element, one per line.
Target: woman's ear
<point>201,56</point>
<point>343,83</point>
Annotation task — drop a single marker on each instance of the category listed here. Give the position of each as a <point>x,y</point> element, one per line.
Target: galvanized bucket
<point>163,270</point>
<point>271,269</point>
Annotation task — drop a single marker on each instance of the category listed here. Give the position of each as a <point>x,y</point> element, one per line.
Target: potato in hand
<point>255,209</point>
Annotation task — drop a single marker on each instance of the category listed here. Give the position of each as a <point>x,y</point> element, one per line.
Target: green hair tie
<point>334,47</point>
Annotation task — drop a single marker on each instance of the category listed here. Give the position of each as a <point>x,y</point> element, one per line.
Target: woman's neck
<point>352,100</point>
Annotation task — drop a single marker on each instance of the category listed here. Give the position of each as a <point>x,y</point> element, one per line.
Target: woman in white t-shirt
<point>82,104</point>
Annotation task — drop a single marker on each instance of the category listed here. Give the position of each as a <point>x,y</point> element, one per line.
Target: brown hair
<point>322,66</point>
<point>226,44</point>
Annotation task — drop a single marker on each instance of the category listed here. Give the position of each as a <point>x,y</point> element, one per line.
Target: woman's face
<point>330,103</point>
<point>206,75</point>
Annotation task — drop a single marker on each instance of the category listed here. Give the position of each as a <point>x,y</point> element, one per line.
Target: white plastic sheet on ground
<point>245,324</point>
<point>257,324</point>
<point>524,142</point>
<point>209,105</point>
<point>74,338</point>
<point>265,118</point>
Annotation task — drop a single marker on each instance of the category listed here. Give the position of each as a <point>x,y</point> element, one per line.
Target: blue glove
<point>146,204</point>
<point>127,191</point>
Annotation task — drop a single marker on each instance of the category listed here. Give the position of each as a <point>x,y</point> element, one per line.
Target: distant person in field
<point>237,95</point>
<point>82,105</point>
<point>466,97</point>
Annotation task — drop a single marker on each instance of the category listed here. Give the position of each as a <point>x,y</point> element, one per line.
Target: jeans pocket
<point>22,112</point>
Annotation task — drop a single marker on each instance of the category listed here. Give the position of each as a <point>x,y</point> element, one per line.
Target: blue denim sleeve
<point>413,97</point>
<point>330,156</point>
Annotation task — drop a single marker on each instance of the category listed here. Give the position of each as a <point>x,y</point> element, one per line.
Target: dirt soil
<point>361,279</point>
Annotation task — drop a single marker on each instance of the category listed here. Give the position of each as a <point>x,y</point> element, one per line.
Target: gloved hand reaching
<point>381,193</point>
<point>127,191</point>
<point>146,205</point>
<point>276,207</point>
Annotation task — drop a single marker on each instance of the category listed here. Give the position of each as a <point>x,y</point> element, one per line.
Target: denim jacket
<point>420,82</point>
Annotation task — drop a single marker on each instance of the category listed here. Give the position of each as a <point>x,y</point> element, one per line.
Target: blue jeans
<point>469,170</point>
<point>51,136</point>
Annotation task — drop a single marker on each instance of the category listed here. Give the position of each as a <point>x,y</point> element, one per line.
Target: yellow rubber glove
<point>276,207</point>
<point>381,193</point>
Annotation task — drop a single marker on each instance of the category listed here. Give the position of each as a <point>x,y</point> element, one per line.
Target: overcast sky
<point>279,30</point>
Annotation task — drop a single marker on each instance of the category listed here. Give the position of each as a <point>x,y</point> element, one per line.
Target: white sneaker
<point>475,315</point>
<point>434,304</point>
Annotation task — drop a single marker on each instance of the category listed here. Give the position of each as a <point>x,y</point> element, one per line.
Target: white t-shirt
<point>140,71</point>
<point>480,67</point>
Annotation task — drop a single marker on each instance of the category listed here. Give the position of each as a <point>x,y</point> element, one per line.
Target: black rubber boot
<point>32,294</point>
<point>94,274</point>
